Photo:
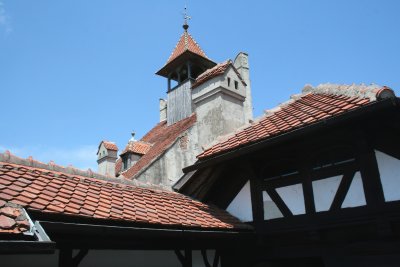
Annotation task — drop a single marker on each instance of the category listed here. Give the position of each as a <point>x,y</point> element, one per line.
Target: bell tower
<point>184,65</point>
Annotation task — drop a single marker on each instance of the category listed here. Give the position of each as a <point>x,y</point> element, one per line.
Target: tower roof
<point>186,49</point>
<point>186,43</point>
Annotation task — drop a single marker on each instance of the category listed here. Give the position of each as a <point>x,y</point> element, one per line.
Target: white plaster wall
<point>106,258</point>
<point>389,170</point>
<point>325,191</point>
<point>233,113</point>
<point>209,119</point>
<point>355,196</point>
<point>168,168</point>
<point>293,197</point>
<point>271,210</point>
<point>241,207</point>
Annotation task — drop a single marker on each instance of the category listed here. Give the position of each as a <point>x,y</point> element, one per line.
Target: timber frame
<point>341,146</point>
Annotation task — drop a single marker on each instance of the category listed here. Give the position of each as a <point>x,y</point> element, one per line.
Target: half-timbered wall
<point>390,175</point>
<point>326,180</point>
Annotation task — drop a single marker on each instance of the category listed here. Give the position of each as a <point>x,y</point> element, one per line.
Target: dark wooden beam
<point>307,189</point>
<point>79,257</point>
<point>188,257</point>
<point>279,202</point>
<point>342,191</point>
<point>184,259</point>
<point>205,258</point>
<point>257,203</point>
<point>369,172</point>
<point>180,257</point>
<point>65,257</point>
<point>216,258</point>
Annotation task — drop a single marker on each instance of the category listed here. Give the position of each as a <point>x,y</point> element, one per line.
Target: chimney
<point>241,63</point>
<point>107,155</point>
<point>163,109</point>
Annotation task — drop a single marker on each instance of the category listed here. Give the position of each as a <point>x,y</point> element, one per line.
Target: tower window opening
<point>229,81</point>
<point>236,85</point>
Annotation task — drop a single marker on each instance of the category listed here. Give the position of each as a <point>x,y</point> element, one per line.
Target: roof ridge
<point>373,91</point>
<point>185,38</point>
<point>8,158</point>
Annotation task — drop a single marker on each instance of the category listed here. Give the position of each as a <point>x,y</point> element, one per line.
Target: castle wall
<point>167,169</point>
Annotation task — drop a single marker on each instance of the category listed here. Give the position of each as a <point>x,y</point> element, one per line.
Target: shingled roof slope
<point>186,43</point>
<point>53,192</point>
<point>137,147</point>
<point>215,71</point>
<point>13,220</point>
<point>161,137</point>
<point>108,145</point>
<point>313,105</point>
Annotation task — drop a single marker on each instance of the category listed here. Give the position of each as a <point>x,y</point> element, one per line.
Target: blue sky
<point>73,73</point>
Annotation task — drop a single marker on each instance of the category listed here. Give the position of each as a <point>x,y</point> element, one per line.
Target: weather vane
<point>186,17</point>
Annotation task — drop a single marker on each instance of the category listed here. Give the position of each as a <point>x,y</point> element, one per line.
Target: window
<point>236,85</point>
<point>125,162</point>
<point>229,81</point>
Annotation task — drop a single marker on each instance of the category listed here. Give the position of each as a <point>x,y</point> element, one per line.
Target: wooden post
<point>65,257</point>
<point>257,203</point>
<point>369,172</point>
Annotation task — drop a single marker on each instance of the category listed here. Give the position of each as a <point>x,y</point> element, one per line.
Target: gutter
<point>113,237</point>
<point>370,108</point>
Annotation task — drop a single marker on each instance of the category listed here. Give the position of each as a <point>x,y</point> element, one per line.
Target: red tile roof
<point>186,43</point>
<point>109,145</point>
<point>54,192</point>
<point>215,71</point>
<point>161,137</point>
<point>12,219</point>
<point>137,147</point>
<point>313,105</point>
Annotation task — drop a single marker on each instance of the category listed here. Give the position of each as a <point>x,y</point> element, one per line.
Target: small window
<point>236,85</point>
<point>229,81</point>
<point>124,162</point>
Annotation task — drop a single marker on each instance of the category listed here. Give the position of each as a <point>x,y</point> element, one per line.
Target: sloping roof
<point>215,71</point>
<point>47,191</point>
<point>313,105</point>
<point>137,147</point>
<point>186,43</point>
<point>12,219</point>
<point>108,145</point>
<point>161,137</point>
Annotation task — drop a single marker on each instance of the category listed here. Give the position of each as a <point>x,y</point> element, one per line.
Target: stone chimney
<point>241,63</point>
<point>163,109</point>
<point>107,155</point>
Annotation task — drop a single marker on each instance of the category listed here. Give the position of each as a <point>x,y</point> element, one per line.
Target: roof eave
<point>218,158</point>
<point>187,54</point>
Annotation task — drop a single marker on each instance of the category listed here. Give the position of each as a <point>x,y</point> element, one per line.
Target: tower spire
<point>186,17</point>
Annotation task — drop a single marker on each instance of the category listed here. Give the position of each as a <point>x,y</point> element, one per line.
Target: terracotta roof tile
<point>137,147</point>
<point>186,43</point>
<point>313,105</point>
<point>109,145</point>
<point>13,219</point>
<point>215,71</point>
<point>91,197</point>
<point>161,137</point>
